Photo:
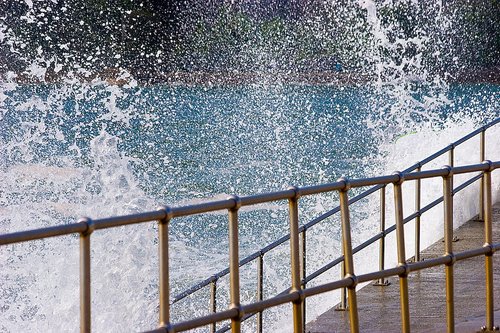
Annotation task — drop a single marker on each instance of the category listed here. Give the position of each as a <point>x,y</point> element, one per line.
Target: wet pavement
<point>379,307</point>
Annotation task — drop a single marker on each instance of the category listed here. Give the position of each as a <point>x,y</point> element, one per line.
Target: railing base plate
<point>341,308</point>
<point>381,283</point>
<point>484,330</point>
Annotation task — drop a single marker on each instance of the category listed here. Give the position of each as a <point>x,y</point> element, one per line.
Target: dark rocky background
<point>154,38</point>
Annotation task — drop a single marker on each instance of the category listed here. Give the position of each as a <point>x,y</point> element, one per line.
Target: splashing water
<point>86,133</point>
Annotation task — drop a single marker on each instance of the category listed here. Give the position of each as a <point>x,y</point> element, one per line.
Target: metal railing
<point>299,291</point>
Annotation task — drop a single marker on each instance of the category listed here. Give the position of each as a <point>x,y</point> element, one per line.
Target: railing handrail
<point>86,226</point>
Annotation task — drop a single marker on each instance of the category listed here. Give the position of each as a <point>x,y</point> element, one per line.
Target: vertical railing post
<point>348,256</point>
<point>293,210</point>
<point>342,306</point>
<point>448,247</point>
<point>381,255</point>
<point>451,162</point>
<point>260,289</point>
<point>213,303</point>
<point>418,199</point>
<point>234,268</point>
<point>303,276</point>
<point>400,237</point>
<point>85,294</point>
<point>482,157</point>
<point>488,240</point>
<point>164,283</point>
<point>451,155</point>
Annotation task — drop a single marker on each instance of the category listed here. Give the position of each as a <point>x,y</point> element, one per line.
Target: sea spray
<point>79,143</point>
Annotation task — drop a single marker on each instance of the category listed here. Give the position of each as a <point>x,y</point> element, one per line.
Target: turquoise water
<point>199,142</point>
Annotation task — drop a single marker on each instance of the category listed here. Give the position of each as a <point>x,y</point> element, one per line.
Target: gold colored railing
<point>299,291</point>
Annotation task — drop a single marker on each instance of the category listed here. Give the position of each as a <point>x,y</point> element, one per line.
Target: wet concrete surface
<point>379,307</point>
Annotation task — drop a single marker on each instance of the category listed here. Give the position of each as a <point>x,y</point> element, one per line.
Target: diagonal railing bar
<point>453,145</point>
<point>467,183</point>
<point>448,259</point>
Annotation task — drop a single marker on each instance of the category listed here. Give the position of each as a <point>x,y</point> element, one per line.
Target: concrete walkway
<point>379,306</point>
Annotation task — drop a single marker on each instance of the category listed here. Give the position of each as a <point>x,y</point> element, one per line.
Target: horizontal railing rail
<point>298,292</point>
<point>344,283</point>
